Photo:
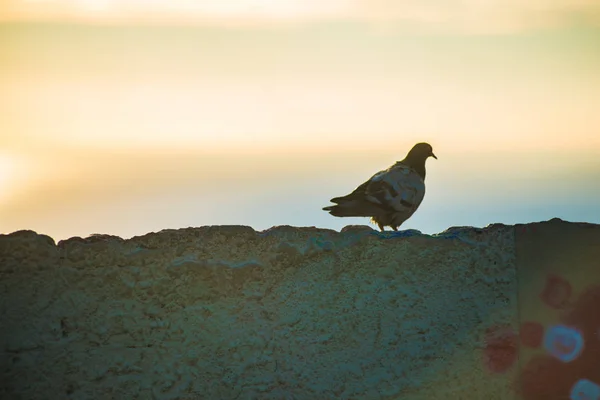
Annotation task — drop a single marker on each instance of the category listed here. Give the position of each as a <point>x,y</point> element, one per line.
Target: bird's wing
<point>357,194</point>
<point>399,188</point>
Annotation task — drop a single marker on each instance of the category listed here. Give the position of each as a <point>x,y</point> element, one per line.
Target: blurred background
<point>135,116</point>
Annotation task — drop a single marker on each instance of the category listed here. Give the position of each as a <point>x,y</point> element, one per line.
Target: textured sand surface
<point>225,312</point>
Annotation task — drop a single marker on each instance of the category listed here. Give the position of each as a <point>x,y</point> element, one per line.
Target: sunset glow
<point>5,176</point>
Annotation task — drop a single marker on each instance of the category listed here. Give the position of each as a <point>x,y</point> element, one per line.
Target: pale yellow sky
<point>112,106</point>
<point>438,15</point>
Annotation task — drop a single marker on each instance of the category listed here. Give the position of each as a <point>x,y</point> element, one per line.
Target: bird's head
<point>421,152</point>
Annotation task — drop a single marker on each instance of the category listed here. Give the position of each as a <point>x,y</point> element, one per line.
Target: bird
<point>391,196</point>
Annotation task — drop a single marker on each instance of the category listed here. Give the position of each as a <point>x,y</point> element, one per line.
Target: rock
<point>228,312</point>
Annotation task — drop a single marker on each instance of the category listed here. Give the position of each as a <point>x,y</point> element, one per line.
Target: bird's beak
<point>433,155</point>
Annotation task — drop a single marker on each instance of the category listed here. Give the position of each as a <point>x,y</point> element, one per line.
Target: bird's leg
<point>381,227</point>
<point>395,228</point>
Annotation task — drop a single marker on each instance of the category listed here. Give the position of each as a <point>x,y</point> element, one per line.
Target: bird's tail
<point>355,208</point>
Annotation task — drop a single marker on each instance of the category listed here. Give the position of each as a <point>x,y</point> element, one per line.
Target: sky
<point>135,116</point>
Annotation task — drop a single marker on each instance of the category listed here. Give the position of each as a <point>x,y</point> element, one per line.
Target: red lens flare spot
<point>557,292</point>
<point>500,352</point>
<point>531,334</point>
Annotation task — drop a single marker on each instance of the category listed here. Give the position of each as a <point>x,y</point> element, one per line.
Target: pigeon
<point>391,196</point>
